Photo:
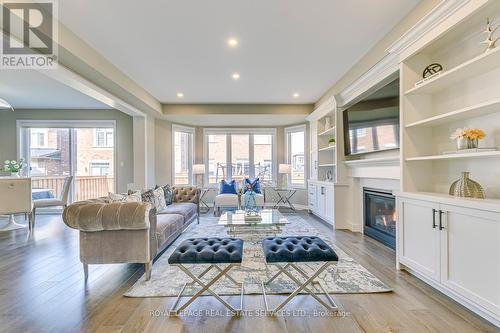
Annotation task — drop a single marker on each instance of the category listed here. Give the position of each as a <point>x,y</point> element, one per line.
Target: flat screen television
<point>371,126</point>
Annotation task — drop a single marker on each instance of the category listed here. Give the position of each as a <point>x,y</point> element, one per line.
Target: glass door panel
<point>263,157</point>
<point>217,160</point>
<point>94,162</point>
<point>240,156</point>
<point>49,160</point>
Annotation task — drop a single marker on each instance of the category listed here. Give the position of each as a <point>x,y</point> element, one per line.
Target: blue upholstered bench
<point>286,252</point>
<point>214,252</point>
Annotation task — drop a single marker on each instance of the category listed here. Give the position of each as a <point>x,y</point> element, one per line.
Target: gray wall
<point>124,135</point>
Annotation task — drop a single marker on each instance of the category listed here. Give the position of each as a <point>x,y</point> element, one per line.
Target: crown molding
<point>387,68</point>
<point>330,105</point>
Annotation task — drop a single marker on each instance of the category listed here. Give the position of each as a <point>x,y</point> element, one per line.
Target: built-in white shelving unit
<point>452,243</point>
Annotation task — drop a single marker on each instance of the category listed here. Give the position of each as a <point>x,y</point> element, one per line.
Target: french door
<point>84,150</point>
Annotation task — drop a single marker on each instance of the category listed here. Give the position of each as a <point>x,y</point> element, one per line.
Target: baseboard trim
<point>454,296</point>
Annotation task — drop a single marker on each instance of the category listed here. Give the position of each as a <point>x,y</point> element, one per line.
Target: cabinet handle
<point>434,211</point>
<point>441,220</point>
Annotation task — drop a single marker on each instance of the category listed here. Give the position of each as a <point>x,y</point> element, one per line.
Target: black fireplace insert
<point>380,216</point>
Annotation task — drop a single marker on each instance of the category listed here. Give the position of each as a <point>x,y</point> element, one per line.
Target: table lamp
<point>199,171</point>
<point>285,170</point>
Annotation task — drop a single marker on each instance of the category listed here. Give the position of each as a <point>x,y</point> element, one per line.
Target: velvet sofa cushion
<point>254,184</point>
<point>168,225</point>
<point>297,249</point>
<point>227,187</point>
<point>186,209</point>
<point>208,251</point>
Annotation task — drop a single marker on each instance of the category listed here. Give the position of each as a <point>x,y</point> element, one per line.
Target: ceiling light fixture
<point>180,95</point>
<point>236,76</point>
<point>232,42</point>
<point>296,95</point>
<point>5,105</point>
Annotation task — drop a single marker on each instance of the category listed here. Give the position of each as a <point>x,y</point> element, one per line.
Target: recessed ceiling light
<point>180,95</point>
<point>236,76</point>
<point>232,42</point>
<point>296,95</point>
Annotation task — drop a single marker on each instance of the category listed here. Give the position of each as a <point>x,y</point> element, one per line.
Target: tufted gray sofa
<point>130,232</point>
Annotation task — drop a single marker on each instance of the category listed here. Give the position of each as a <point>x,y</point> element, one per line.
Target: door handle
<point>441,220</point>
<point>434,211</point>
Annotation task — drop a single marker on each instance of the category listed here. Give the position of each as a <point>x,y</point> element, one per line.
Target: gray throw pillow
<point>167,190</point>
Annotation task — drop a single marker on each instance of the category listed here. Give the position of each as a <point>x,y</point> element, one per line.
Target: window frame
<point>107,131</point>
<point>251,132</point>
<point>191,151</point>
<point>288,132</point>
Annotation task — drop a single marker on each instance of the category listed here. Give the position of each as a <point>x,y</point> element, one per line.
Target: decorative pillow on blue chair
<point>228,187</point>
<point>255,185</point>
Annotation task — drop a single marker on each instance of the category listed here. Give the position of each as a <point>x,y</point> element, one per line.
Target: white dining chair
<point>15,198</point>
<point>62,201</point>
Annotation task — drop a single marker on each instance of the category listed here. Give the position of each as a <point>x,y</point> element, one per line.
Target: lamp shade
<point>198,169</point>
<point>285,168</point>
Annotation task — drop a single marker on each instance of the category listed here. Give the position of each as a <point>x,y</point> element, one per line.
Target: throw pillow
<point>133,197</point>
<point>167,192</point>
<point>227,187</point>
<point>156,198</point>
<point>255,184</point>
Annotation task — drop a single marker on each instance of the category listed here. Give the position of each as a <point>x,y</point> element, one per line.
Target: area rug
<point>348,277</point>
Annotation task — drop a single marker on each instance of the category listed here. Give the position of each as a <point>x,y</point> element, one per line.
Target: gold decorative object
<point>467,188</point>
<point>490,41</point>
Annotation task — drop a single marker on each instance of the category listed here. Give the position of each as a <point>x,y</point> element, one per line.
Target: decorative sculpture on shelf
<point>490,41</point>
<point>467,188</point>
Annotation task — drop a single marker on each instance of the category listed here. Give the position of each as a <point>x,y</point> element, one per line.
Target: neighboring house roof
<point>46,153</point>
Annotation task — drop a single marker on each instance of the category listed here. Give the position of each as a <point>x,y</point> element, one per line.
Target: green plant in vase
<point>331,142</point>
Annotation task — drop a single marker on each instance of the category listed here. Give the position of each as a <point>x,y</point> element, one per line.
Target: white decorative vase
<point>15,174</point>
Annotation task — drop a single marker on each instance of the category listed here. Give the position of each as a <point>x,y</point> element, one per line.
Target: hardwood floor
<point>42,290</point>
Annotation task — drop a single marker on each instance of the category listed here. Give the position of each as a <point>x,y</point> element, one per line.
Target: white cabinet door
<point>418,236</point>
<point>329,203</point>
<point>470,249</point>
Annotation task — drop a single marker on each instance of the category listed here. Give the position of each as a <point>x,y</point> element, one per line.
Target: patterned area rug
<point>348,277</point>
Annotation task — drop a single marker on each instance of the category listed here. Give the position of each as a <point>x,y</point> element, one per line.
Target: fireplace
<point>380,216</point>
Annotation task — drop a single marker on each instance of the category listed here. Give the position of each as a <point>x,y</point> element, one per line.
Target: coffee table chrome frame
<point>309,280</point>
<point>205,287</point>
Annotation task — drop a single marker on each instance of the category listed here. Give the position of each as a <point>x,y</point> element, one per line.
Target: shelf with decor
<point>479,154</point>
<point>478,65</point>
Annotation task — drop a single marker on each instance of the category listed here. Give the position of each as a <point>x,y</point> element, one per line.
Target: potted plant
<point>467,138</point>
<point>14,167</point>
<point>331,142</point>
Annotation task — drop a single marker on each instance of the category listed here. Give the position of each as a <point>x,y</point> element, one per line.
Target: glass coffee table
<point>236,223</point>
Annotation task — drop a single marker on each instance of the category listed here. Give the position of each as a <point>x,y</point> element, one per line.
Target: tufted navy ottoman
<point>220,254</point>
<point>286,252</point>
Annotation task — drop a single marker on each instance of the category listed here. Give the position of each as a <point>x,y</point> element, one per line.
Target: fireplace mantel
<point>382,168</point>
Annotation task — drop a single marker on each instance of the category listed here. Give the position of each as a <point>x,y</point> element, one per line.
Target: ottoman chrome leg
<point>301,286</point>
<point>205,287</point>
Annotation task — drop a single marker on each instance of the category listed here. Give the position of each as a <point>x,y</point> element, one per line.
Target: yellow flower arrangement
<point>474,134</point>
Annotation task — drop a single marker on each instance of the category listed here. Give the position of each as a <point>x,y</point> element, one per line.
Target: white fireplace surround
<point>375,173</point>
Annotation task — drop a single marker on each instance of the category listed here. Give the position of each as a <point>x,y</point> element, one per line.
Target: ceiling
<point>29,89</point>
<point>285,46</point>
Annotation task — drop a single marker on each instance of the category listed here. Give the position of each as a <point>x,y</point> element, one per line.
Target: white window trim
<point>189,130</point>
<point>228,132</point>
<point>288,131</point>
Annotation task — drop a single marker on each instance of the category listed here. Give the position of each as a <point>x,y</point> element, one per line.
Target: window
<point>39,138</point>
<point>99,168</point>
<point>295,154</point>
<point>103,138</point>
<point>240,153</point>
<point>183,141</point>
